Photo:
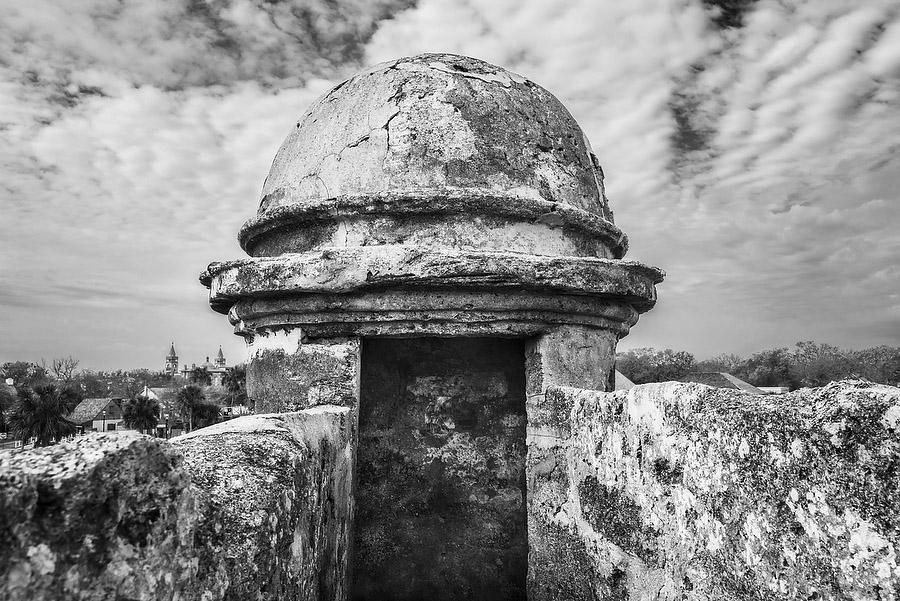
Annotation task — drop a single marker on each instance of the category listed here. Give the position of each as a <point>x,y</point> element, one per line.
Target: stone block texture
<point>287,374</point>
<point>434,195</point>
<point>430,198</point>
<point>565,356</point>
<point>254,508</point>
<point>666,491</point>
<point>682,491</point>
<point>440,497</point>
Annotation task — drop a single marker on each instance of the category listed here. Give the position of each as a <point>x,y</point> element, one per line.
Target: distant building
<point>217,368</point>
<point>721,379</point>
<point>775,389</point>
<point>169,421</point>
<point>622,382</point>
<point>97,415</point>
<point>172,362</point>
<point>234,410</point>
<point>164,396</point>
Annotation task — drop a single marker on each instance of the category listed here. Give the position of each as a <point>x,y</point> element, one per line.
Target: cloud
<point>130,196</point>
<point>178,44</point>
<point>750,149</point>
<point>614,64</point>
<point>134,138</point>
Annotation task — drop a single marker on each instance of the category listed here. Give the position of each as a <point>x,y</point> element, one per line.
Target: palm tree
<point>40,414</point>
<point>206,414</point>
<point>141,413</point>
<point>235,381</point>
<point>187,401</point>
<point>70,397</point>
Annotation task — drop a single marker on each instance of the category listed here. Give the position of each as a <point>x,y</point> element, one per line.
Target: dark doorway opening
<point>440,495</point>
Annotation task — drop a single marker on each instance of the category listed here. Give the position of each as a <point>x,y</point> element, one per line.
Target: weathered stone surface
<point>111,516</point>
<point>343,270</point>
<point>287,372</point>
<point>429,198</point>
<point>429,128</point>
<point>432,196</point>
<point>577,357</point>
<point>440,313</point>
<point>255,508</point>
<point>563,356</point>
<point>461,218</point>
<point>681,491</point>
<point>440,495</point>
<point>279,487</point>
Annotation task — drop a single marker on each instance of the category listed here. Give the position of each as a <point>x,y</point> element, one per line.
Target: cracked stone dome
<point>436,150</point>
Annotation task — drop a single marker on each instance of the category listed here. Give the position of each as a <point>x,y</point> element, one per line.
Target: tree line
<point>95,384</point>
<point>806,364</point>
<point>40,398</point>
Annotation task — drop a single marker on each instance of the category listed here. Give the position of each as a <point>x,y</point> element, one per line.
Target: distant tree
<point>130,388</point>
<point>771,368</point>
<point>25,373</point>
<point>646,364</point>
<point>120,384</point>
<point>63,369</point>
<point>8,398</point>
<point>70,397</point>
<point>187,402</point>
<point>807,364</point>
<point>159,379</point>
<point>235,382</point>
<point>201,376</point>
<point>675,364</point>
<point>147,377</point>
<point>816,364</point>
<point>40,414</point>
<point>140,413</point>
<point>878,364</point>
<point>205,414</point>
<point>91,384</point>
<point>727,362</point>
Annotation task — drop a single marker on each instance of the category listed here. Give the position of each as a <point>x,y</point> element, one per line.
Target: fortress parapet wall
<point>672,491</point>
<point>254,508</point>
<point>682,491</point>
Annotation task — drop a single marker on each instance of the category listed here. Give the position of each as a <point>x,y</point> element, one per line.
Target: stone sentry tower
<point>434,249</point>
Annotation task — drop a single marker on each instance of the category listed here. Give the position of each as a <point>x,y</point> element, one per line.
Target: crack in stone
<point>356,143</point>
<point>387,128</point>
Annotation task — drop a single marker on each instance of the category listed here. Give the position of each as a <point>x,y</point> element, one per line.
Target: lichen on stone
<point>740,495</point>
<point>257,507</point>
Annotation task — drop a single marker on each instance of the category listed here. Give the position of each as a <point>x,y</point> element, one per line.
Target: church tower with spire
<point>172,361</point>
<point>220,358</point>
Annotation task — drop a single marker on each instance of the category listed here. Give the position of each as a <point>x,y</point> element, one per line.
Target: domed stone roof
<point>436,195</point>
<point>447,142</point>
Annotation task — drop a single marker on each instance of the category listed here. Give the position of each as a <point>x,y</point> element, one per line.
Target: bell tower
<point>172,361</point>
<point>220,358</point>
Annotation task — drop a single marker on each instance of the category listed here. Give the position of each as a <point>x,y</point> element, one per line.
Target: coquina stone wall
<point>665,492</point>
<point>440,197</point>
<point>682,491</point>
<point>254,508</point>
<point>440,496</point>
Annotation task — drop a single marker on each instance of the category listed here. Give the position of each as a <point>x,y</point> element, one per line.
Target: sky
<point>751,150</point>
